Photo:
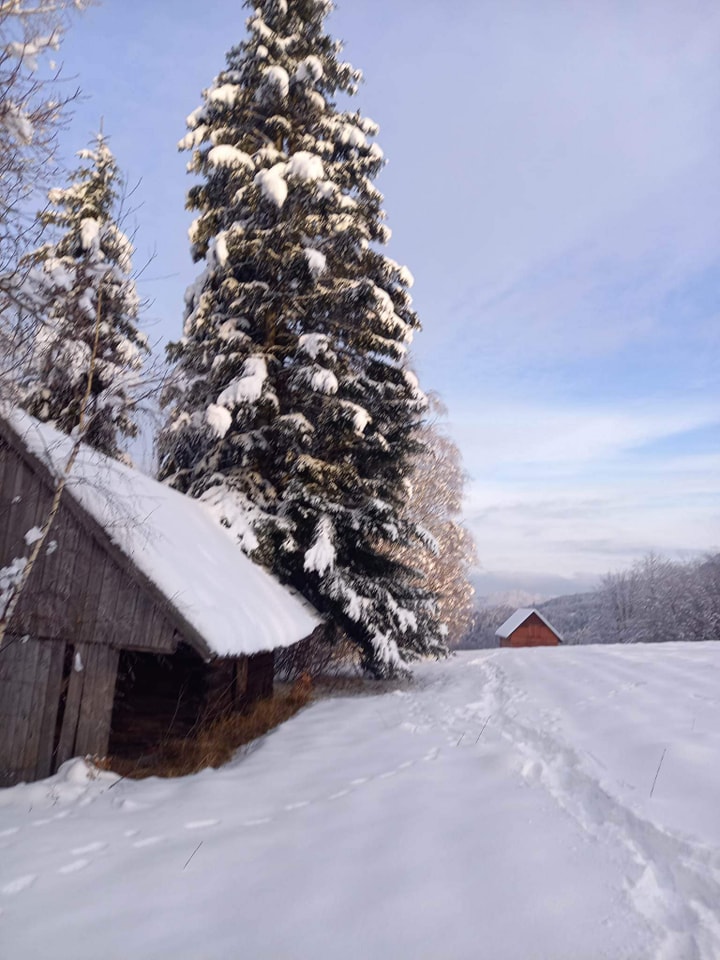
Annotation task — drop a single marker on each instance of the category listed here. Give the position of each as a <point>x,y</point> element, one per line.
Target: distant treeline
<point>655,601</point>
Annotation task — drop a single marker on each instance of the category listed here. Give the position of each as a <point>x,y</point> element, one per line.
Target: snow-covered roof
<point>236,606</point>
<point>518,619</point>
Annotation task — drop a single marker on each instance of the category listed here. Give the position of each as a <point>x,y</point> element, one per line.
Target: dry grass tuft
<point>215,744</point>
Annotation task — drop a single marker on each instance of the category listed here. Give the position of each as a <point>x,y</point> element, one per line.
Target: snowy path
<point>678,887</point>
<point>499,809</point>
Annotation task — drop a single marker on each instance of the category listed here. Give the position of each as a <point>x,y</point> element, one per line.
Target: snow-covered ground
<point>509,806</point>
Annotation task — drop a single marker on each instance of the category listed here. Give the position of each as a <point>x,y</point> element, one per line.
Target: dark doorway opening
<point>157,698</point>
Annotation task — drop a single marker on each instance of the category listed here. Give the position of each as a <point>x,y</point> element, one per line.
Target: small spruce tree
<point>293,411</point>
<point>85,296</point>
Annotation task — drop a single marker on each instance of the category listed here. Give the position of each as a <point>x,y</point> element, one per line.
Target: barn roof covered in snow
<point>228,605</point>
<point>518,619</point>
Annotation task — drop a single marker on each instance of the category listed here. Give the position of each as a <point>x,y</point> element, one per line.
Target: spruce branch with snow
<point>32,110</point>
<point>84,274</point>
<point>292,400</point>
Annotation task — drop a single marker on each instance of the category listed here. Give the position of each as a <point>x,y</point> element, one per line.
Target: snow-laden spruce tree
<point>293,411</point>
<point>33,107</point>
<point>84,293</point>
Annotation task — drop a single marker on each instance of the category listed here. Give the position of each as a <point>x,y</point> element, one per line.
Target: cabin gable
<point>527,628</point>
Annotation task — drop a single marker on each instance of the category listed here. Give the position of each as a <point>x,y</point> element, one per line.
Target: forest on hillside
<point>656,600</point>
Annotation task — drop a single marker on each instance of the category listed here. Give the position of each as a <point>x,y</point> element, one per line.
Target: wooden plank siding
<point>71,712</point>
<point>84,589</point>
<point>57,576</point>
<point>36,699</point>
<point>50,708</point>
<point>84,603</point>
<point>88,707</point>
<point>5,467</point>
<point>260,672</point>
<point>30,674</point>
<point>93,729</point>
<point>84,597</point>
<point>24,468</point>
<point>16,666</point>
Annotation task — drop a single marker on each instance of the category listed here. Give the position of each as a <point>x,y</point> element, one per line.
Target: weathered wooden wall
<point>532,633</point>
<point>84,603</point>
<point>55,703</point>
<point>82,588</point>
<point>260,674</point>
<point>83,597</point>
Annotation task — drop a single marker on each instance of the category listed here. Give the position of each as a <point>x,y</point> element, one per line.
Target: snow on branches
<point>32,106</point>
<point>83,291</point>
<point>291,385</point>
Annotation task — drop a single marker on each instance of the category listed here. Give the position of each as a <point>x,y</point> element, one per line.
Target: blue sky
<point>554,186</point>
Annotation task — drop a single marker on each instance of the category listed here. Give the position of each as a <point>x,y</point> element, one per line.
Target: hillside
<point>550,804</point>
<point>656,600</point>
<point>576,616</point>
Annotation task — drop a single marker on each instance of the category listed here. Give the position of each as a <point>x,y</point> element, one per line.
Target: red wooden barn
<point>527,627</point>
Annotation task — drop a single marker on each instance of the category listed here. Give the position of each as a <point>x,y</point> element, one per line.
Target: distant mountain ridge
<point>576,616</point>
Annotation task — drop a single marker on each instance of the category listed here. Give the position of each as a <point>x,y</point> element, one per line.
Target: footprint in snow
<point>74,866</point>
<point>297,806</point>
<point>147,842</point>
<point>201,824</point>
<point>532,771</point>
<point>257,823</point>
<point>131,833</point>
<point>90,848</point>
<point>131,806</point>
<point>41,823</point>
<point>9,832</point>
<point>340,793</point>
<point>359,782</point>
<point>17,886</point>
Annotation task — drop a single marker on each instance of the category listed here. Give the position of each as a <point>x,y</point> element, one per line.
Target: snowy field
<point>508,807</point>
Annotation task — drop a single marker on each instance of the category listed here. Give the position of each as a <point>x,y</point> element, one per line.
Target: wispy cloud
<point>514,434</point>
<point>554,185</point>
<point>579,494</point>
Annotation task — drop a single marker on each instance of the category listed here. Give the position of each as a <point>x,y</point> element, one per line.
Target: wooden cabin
<point>528,628</point>
<point>141,618</point>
